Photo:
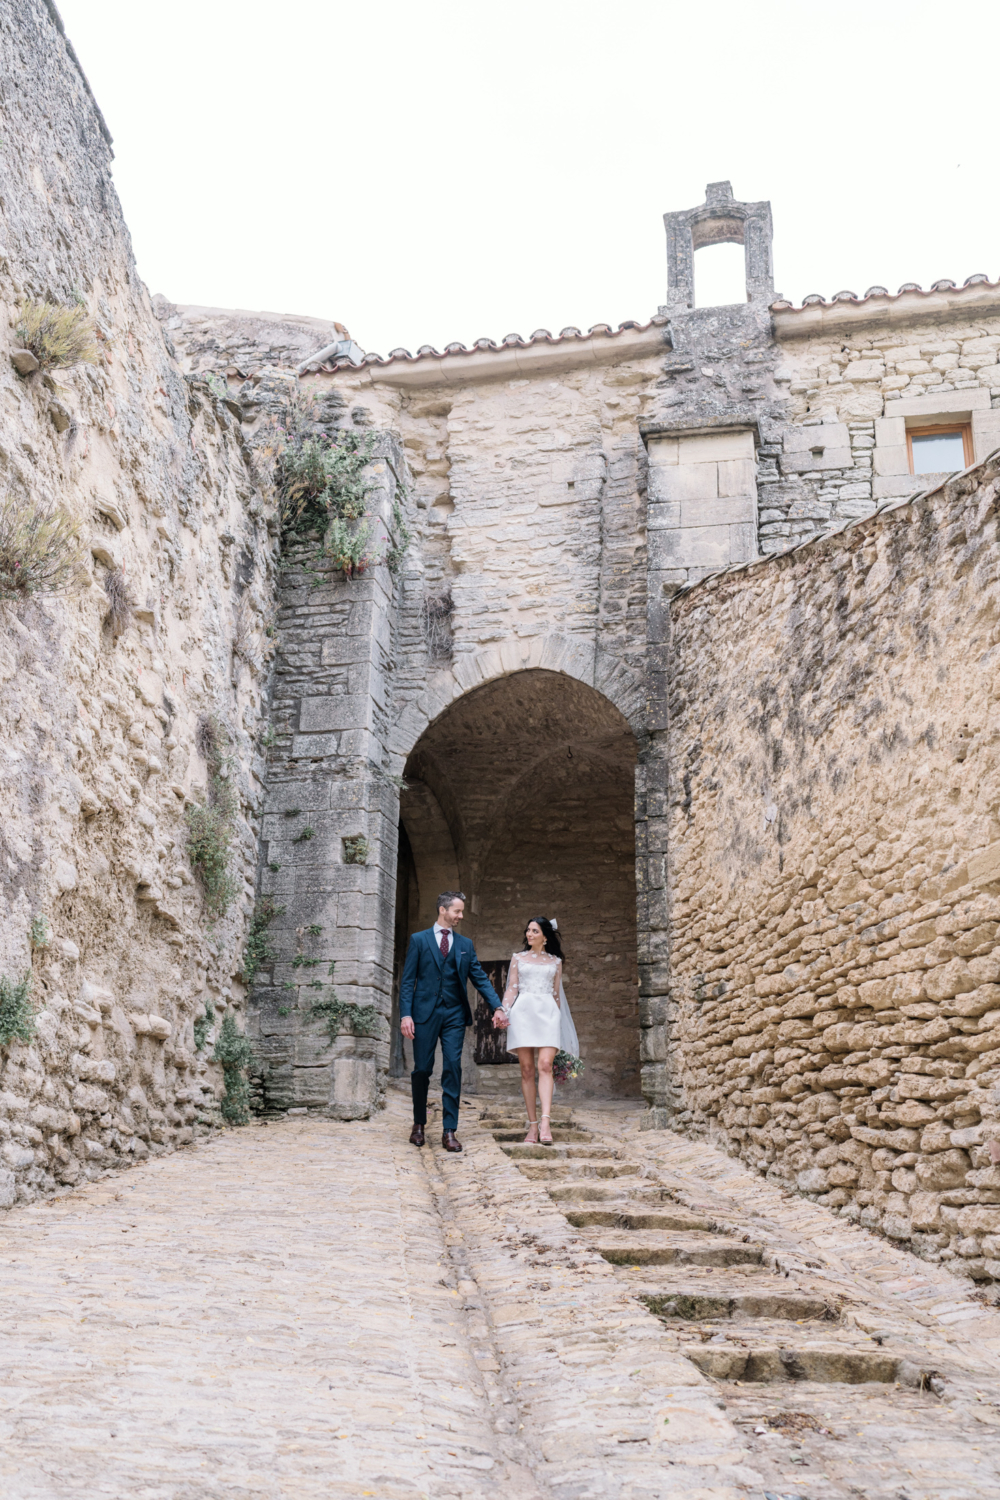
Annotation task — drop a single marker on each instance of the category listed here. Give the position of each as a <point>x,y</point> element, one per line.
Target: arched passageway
<point>522,794</point>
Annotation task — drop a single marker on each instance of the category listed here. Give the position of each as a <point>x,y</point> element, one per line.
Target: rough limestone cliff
<point>113,729</point>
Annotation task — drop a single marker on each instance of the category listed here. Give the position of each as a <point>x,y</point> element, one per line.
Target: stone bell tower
<point>719,220</point>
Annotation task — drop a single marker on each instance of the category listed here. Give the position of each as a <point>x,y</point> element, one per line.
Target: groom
<point>433,1003</point>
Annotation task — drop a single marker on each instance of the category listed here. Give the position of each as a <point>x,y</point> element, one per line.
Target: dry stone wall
<point>100,750</point>
<point>834,869</point>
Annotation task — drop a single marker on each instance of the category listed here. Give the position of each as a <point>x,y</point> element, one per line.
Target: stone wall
<point>99,734</point>
<point>332,938</point>
<point>834,869</point>
<point>857,372</point>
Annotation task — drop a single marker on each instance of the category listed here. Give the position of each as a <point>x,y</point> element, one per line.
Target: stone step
<point>626,1217</point>
<point>560,1135</point>
<point>560,1151</point>
<point>647,1248</point>
<point>621,1192</point>
<point>556,1168</point>
<point>499,1117</point>
<point>692,1304</point>
<point>832,1364</point>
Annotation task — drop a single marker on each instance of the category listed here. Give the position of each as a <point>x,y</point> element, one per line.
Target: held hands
<point>501,1020</point>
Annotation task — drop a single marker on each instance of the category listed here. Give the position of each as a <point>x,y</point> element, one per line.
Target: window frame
<point>940,429</point>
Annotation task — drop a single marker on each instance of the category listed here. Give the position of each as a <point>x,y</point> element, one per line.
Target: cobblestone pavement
<point>312,1308</point>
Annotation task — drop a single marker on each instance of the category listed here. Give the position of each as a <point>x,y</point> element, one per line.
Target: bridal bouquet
<point>566,1067</point>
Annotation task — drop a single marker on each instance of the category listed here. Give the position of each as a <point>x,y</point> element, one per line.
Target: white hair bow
<point>553,924</point>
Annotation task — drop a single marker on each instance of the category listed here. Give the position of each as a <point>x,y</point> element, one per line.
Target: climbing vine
<point>257,950</point>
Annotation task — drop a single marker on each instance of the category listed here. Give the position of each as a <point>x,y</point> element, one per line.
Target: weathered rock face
<point>99,742</point>
<point>834,859</point>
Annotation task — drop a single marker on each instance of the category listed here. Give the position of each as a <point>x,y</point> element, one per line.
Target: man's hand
<point>407,1028</point>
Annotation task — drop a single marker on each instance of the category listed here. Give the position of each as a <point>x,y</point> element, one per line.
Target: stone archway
<point>566,655</point>
<point>525,786</point>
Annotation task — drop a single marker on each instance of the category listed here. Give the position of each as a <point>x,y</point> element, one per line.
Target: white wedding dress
<point>537,1019</point>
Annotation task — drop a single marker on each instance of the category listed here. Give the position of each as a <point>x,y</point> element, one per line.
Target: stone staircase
<point>787,1349</point>
<point>733,1315</point>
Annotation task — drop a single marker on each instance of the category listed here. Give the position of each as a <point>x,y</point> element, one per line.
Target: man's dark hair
<point>447,897</point>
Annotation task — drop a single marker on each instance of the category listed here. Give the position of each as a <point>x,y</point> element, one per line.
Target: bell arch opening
<point>522,794</point>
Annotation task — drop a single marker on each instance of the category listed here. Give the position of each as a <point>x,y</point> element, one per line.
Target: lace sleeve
<point>556,978</point>
<point>510,993</point>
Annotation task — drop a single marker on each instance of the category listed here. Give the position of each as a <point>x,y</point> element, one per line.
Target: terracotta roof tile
<point>945,284</point>
<point>540,336</point>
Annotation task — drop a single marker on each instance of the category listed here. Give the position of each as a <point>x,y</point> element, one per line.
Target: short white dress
<point>537,1017</point>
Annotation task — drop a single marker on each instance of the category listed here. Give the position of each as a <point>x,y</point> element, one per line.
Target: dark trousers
<point>448,1023</point>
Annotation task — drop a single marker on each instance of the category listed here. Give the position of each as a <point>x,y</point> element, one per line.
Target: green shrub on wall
<point>235,1054</point>
<point>17,1014</point>
<point>57,336</point>
<point>39,552</point>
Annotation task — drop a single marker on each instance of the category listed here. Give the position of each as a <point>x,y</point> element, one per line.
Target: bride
<point>539,1021</point>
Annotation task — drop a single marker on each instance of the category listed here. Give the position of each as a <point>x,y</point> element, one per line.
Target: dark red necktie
<point>444,942</point>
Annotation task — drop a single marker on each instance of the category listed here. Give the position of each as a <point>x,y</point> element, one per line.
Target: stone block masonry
<point>834,870</point>
<point>328,837</point>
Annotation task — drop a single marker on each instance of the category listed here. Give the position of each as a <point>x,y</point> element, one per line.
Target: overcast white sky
<point>430,170</point>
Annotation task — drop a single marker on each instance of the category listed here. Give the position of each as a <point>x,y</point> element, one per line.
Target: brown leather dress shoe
<point>417,1135</point>
<point>450,1141</point>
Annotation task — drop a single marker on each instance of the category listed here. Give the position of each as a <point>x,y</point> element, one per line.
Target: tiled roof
<point>880,292</point>
<point>541,336</point>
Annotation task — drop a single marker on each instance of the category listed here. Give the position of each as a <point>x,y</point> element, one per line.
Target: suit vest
<point>451,990</point>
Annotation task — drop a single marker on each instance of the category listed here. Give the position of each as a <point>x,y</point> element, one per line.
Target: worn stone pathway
<point>308,1308</point>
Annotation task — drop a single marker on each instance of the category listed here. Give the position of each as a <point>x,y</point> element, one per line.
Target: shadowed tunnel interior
<point>522,795</point>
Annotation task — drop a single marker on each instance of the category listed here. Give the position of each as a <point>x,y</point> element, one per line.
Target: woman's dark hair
<point>552,943</point>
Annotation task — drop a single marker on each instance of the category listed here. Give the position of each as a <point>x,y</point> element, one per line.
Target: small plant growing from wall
<point>321,488</point>
<point>202,1026</point>
<point>356,850</point>
<point>57,336</point>
<point>235,1054</point>
<point>17,1014</point>
<point>121,605</point>
<point>348,546</point>
<point>437,626</point>
<point>320,477</point>
<point>211,823</point>
<point>39,930</point>
<point>257,951</point>
<point>342,1015</point>
<point>402,536</point>
<point>39,553</point>
<point>304,836</point>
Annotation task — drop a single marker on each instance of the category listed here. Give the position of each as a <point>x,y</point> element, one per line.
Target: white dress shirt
<point>438,929</point>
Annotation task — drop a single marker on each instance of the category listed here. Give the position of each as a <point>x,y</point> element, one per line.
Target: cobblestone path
<point>308,1308</point>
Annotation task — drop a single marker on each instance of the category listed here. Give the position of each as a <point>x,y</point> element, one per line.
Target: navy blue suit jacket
<point>421,988</point>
